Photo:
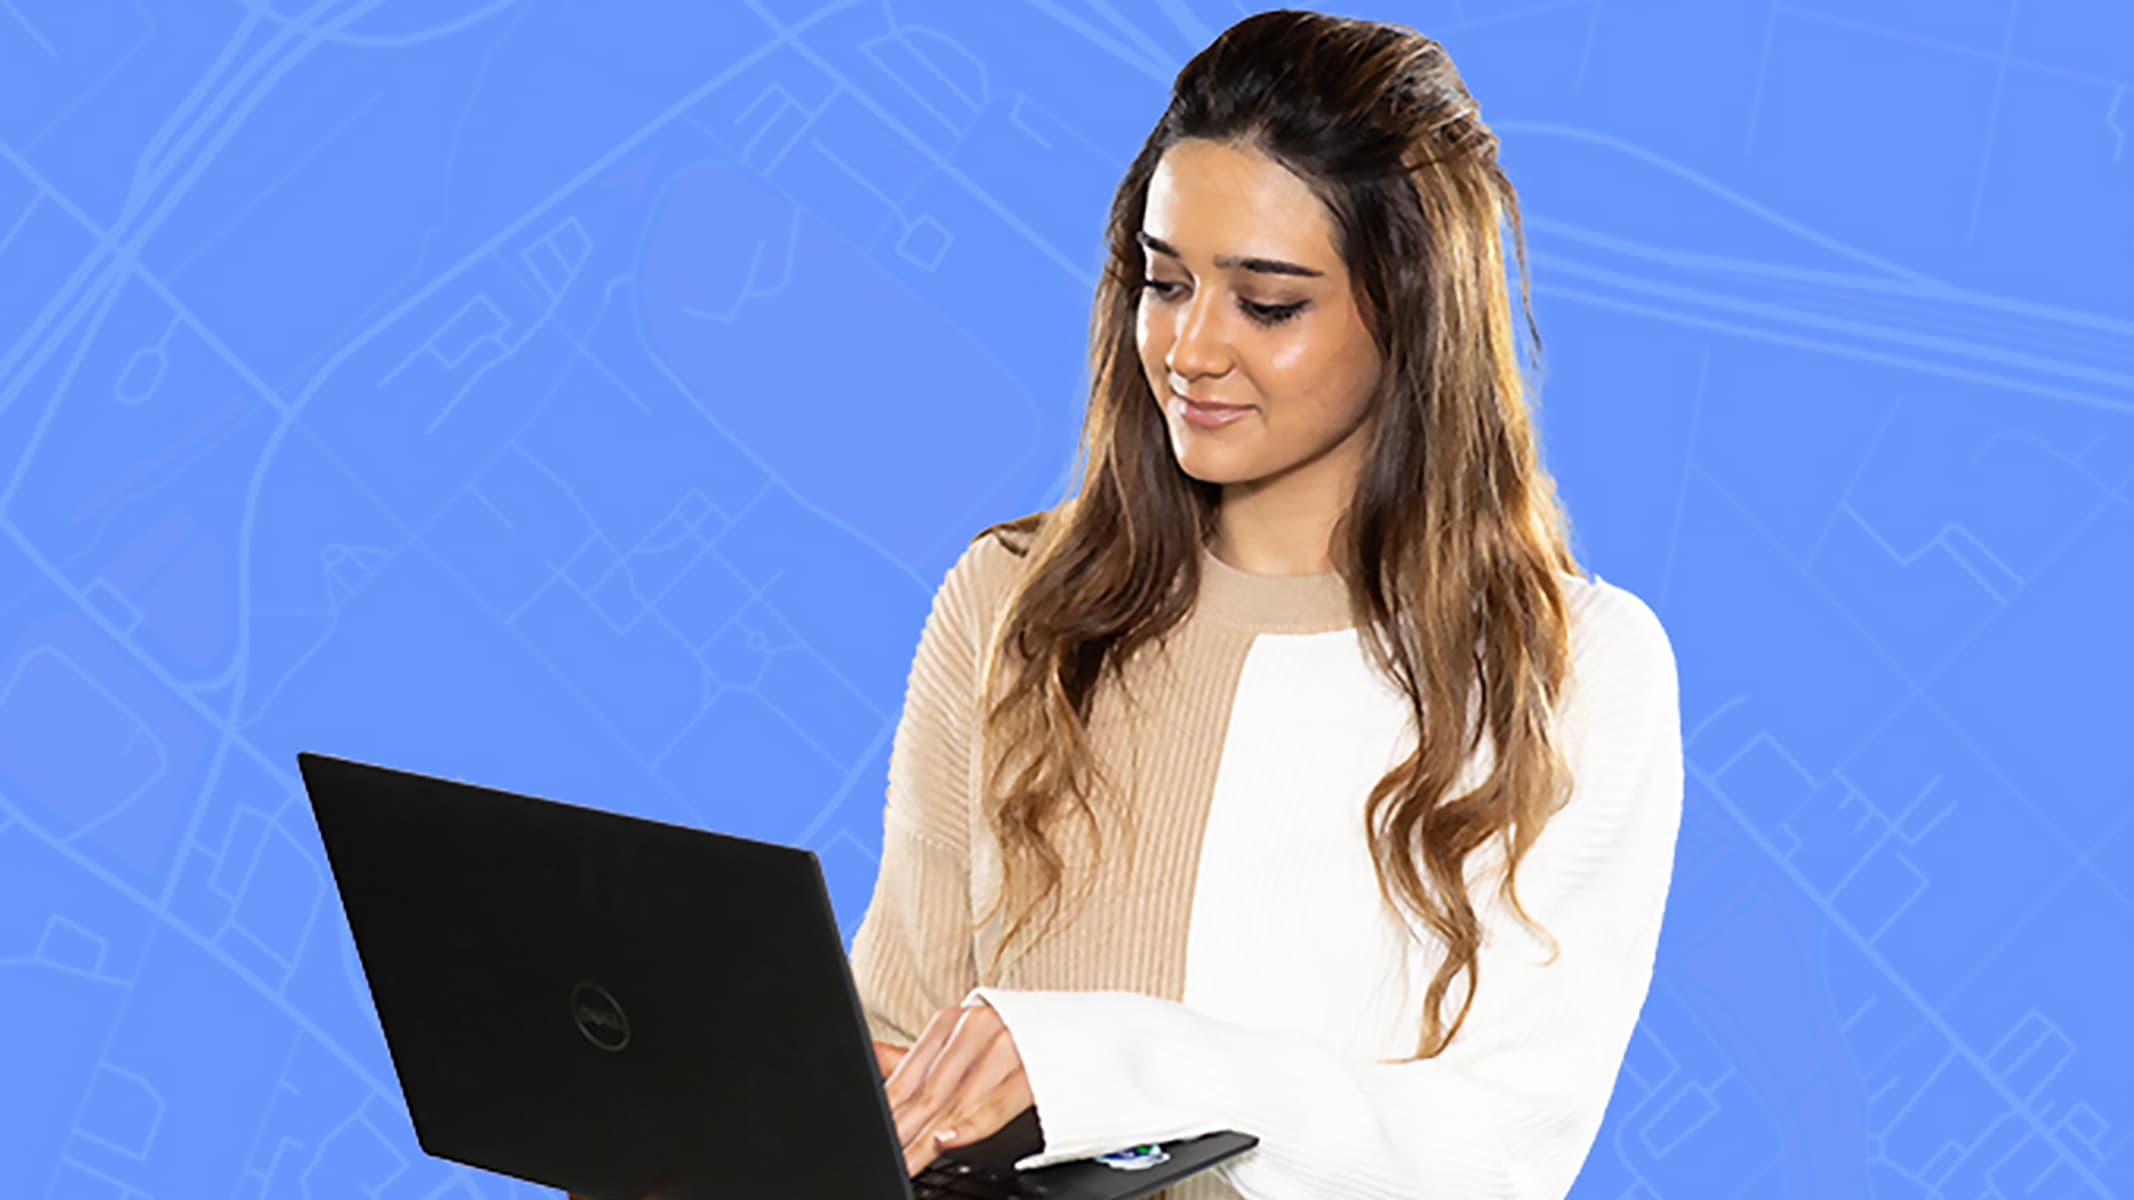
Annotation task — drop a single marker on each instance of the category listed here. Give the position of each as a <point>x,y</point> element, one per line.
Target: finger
<point>918,1060</point>
<point>967,1114</point>
<point>887,1055</point>
<point>971,1122</point>
<point>968,1042</point>
<point>940,1084</point>
<point>904,1078</point>
<point>918,1158</point>
<point>913,1071</point>
<point>994,1091</point>
<point>910,1068</point>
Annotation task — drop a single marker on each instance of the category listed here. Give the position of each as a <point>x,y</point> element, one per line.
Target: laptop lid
<point>610,1005</point>
<point>626,1008</point>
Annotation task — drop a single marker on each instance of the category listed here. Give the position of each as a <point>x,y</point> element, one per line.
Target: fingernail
<point>946,1135</point>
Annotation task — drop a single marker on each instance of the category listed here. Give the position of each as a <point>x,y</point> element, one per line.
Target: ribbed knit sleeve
<point>1511,1108</point>
<point>910,957</point>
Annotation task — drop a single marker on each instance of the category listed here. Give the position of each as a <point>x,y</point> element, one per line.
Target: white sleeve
<point>1510,1109</point>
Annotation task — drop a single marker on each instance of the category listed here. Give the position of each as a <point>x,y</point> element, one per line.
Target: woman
<point>1289,777</point>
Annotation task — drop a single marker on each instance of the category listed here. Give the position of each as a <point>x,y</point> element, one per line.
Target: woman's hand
<point>962,1082</point>
<point>887,1055</point>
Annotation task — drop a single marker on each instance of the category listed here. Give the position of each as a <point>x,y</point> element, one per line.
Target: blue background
<point>587,399</point>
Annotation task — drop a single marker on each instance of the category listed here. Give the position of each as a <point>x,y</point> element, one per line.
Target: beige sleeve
<point>912,956</point>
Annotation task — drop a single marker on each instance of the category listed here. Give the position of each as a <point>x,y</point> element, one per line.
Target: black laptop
<point>628,1009</point>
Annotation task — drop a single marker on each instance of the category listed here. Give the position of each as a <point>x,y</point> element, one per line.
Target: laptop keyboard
<point>949,1179</point>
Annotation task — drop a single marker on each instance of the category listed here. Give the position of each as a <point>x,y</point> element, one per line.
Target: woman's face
<point>1249,305</point>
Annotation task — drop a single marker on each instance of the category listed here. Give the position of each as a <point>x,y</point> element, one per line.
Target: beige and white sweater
<point>1236,967</point>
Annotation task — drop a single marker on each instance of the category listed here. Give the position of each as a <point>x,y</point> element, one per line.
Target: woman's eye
<point>1265,314</point>
<point>1272,314</point>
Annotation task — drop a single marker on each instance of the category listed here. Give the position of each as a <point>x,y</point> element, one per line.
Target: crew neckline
<point>1315,603</point>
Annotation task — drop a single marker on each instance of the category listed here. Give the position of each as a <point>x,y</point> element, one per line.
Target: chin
<point>1211,469</point>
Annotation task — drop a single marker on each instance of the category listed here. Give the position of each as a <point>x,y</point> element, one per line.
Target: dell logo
<point>598,1017</point>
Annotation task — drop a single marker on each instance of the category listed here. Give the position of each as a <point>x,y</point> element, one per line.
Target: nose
<point>1197,345</point>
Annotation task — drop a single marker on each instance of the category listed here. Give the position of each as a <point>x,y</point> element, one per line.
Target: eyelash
<point>1265,314</point>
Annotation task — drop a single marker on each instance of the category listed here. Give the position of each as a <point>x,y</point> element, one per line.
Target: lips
<point>1211,405</point>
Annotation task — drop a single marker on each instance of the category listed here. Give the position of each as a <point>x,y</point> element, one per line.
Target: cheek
<point>1293,358</point>
<point>1296,371</point>
<point>1152,336</point>
<point>1323,368</point>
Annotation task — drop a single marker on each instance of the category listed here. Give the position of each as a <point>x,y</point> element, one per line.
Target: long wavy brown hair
<point>1450,546</point>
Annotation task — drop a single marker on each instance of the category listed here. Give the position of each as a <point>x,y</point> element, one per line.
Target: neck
<point>1267,533</point>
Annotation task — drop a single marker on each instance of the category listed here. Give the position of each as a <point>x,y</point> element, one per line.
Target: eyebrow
<point>1267,266</point>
